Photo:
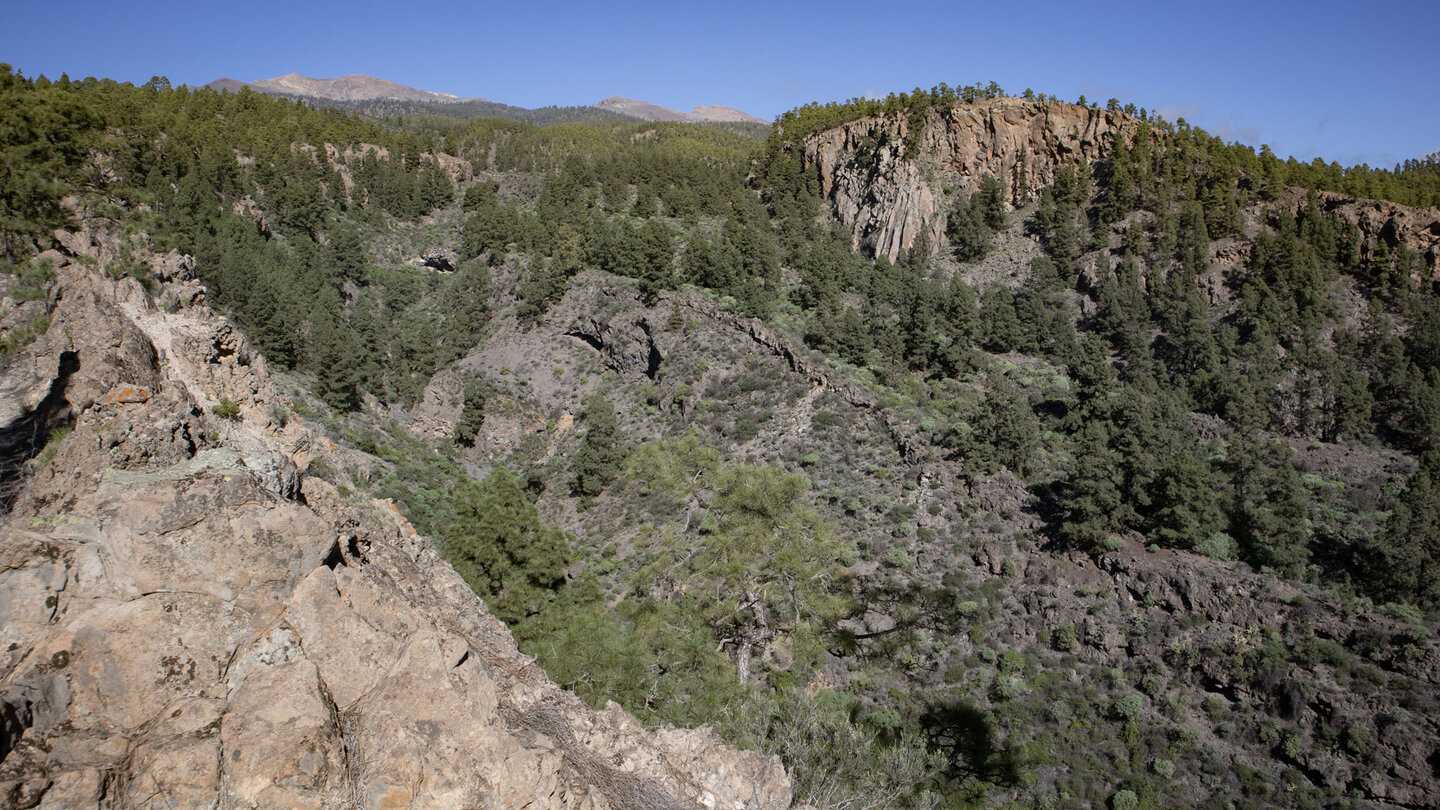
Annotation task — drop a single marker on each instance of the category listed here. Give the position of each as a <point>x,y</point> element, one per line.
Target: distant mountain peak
<point>358,87</point>
<point>355,87</point>
<point>640,109</point>
<point>654,112</point>
<point>716,112</point>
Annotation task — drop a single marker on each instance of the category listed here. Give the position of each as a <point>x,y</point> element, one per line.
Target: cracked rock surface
<point>187,621</point>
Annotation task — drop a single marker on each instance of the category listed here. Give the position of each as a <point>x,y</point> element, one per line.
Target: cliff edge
<point>186,620</point>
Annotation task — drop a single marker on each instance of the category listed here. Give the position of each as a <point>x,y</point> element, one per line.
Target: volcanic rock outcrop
<point>1381,221</point>
<point>887,185</point>
<point>188,621</point>
<point>886,199</point>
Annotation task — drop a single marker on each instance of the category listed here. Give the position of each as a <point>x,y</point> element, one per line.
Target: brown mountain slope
<point>716,112</point>
<point>344,88</point>
<point>654,112</point>
<point>640,109</point>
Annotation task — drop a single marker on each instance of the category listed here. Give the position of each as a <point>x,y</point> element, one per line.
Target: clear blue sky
<point>1348,81</point>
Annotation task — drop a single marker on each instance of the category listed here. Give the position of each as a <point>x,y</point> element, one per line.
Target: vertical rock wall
<point>886,200</point>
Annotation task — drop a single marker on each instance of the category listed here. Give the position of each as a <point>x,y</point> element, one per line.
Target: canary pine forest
<point>1119,491</point>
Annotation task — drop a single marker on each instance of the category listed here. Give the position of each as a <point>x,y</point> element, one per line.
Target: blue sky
<point>1353,82</point>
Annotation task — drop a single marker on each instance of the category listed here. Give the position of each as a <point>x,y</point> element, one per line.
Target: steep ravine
<point>188,621</point>
<point>1212,643</point>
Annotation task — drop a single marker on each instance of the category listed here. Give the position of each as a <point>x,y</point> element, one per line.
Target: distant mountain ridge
<point>356,87</point>
<point>654,112</point>
<point>360,88</point>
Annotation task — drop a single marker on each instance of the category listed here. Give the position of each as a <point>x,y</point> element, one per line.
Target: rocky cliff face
<point>1382,221</point>
<point>886,200</point>
<point>187,621</point>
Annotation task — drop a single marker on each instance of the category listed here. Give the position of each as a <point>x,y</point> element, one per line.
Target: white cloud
<point>1174,112</point>
<point>1243,133</point>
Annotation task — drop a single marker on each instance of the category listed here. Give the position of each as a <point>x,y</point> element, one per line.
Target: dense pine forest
<point>831,503</point>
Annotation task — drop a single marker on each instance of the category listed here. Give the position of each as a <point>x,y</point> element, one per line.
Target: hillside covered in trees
<point>1116,483</point>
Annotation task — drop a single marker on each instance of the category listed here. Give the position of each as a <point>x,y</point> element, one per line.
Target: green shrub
<point>1164,768</point>
<point>1183,737</point>
<point>34,281</point>
<point>319,468</point>
<point>22,336</point>
<point>1217,546</point>
<point>1064,639</point>
<point>138,270</point>
<point>1007,687</point>
<point>1404,613</point>
<point>53,443</point>
<point>1124,800</point>
<point>1358,740</point>
<point>226,409</point>
<point>886,721</point>
<point>1010,661</point>
<point>1128,707</point>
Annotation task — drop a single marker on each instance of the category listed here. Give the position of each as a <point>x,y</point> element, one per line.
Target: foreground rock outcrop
<point>186,621</point>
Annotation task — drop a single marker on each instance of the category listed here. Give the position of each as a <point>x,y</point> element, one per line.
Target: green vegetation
<point>52,446</point>
<point>498,544</point>
<point>598,461</point>
<point>24,334</point>
<point>226,409</point>
<point>472,414</point>
<point>862,583</point>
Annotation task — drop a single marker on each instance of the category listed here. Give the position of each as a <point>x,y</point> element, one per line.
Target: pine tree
<point>991,201</point>
<point>498,544</point>
<point>1268,512</point>
<point>1186,512</point>
<point>472,414</point>
<point>465,305</point>
<point>1120,191</point>
<point>1403,562</point>
<point>1020,189</point>
<point>967,230</point>
<point>1008,425</point>
<point>656,256</point>
<point>598,461</point>
<point>1090,494</point>
<point>334,355</point>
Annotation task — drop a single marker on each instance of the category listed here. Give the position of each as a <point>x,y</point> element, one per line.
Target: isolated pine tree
<point>472,414</point>
<point>603,451</point>
<point>498,544</point>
